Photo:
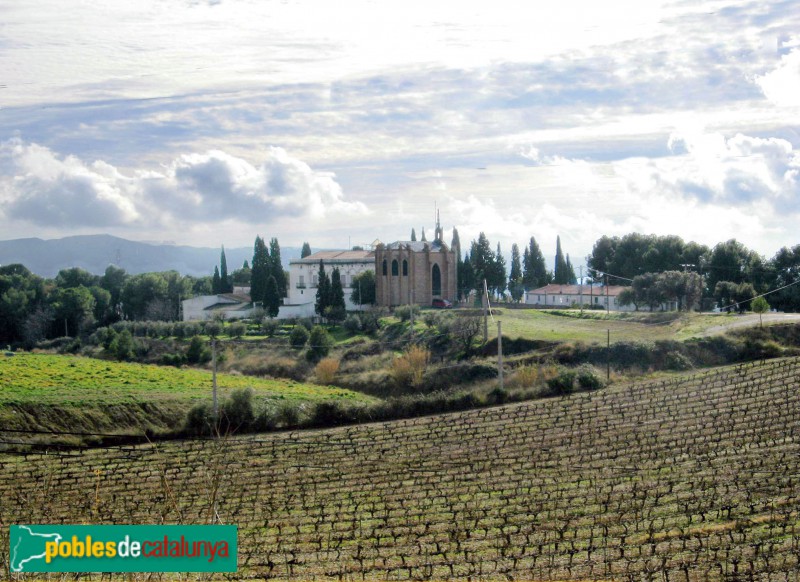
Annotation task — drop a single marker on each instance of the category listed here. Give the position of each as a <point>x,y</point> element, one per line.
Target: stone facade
<point>415,272</point>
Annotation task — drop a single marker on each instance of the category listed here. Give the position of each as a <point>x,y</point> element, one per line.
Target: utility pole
<point>608,355</point>
<point>500,354</point>
<point>214,376</point>
<point>581,288</point>
<point>485,312</point>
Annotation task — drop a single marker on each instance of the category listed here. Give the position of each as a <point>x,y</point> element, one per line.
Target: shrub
<point>409,368</point>
<point>430,318</point>
<point>370,321</point>
<point>288,415</point>
<point>121,346</point>
<point>403,312</point>
<point>588,379</point>
<point>176,360</point>
<point>298,337</point>
<point>352,324</point>
<point>497,396</point>
<point>677,361</point>
<point>326,370</point>
<point>237,411</point>
<point>212,328</point>
<point>307,323</point>
<point>526,376</point>
<point>199,420</point>
<point>563,383</point>
<point>198,352</point>
<point>320,343</point>
<point>237,330</point>
<point>270,326</point>
<point>331,414</point>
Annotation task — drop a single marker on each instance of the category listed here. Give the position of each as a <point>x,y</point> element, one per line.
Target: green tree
<point>363,289</point>
<point>515,285</point>
<point>259,271</point>
<point>483,262</point>
<point>323,291</point>
<point>319,343</point>
<point>141,291</point>
<point>413,235</point>
<point>225,284</point>
<point>422,238</point>
<point>75,277</point>
<point>216,281</point>
<point>760,306</point>
<point>534,270</point>
<point>561,274</point>
<point>276,266</point>
<point>73,308</point>
<point>113,281</point>
<point>272,298</point>
<point>306,251</point>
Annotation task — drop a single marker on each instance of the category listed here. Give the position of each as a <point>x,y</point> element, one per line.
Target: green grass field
<point>54,392</point>
<point>593,326</point>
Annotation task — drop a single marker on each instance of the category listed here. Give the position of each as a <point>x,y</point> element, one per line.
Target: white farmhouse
<point>304,275</point>
<point>563,296</point>
<point>236,305</point>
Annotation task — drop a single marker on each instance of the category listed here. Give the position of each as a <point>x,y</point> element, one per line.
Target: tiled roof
<point>417,246</point>
<point>553,289</point>
<point>338,256</point>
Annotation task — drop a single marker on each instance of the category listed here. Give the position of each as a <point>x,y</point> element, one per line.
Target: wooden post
<point>500,353</point>
<point>485,301</point>
<point>608,355</point>
<point>214,377</point>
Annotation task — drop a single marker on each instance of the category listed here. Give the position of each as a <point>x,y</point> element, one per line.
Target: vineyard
<point>694,478</point>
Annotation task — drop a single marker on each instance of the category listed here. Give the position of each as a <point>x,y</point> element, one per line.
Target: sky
<point>208,122</point>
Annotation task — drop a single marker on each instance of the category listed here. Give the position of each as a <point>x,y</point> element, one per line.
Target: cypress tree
<point>272,298</point>
<point>413,235</point>
<point>276,267</point>
<point>515,276</point>
<point>423,239</point>
<point>306,250</point>
<point>224,284</point>
<point>216,284</point>
<point>259,273</point>
<point>323,291</point>
<point>561,272</point>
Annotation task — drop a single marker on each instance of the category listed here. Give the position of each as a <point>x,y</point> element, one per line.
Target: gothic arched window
<point>384,267</point>
<point>405,268</point>
<point>394,268</point>
<point>436,281</point>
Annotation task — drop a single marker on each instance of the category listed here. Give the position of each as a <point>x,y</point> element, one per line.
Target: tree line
<point>527,271</point>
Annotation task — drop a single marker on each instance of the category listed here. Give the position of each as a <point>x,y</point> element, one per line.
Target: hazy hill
<point>95,252</point>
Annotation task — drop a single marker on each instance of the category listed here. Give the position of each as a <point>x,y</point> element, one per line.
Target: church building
<point>415,272</point>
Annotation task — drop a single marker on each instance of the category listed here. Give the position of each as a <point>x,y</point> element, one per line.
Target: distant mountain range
<point>96,252</point>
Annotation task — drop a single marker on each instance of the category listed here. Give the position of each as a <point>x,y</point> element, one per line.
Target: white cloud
<point>44,189</point>
<point>782,85</point>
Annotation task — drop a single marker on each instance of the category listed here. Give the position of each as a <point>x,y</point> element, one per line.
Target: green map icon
<point>28,545</point>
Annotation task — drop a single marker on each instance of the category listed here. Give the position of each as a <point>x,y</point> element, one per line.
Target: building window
<point>436,281</point>
<point>394,268</point>
<point>384,268</point>
<point>405,268</point>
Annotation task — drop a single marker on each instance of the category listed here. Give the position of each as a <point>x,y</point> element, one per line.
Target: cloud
<point>782,85</point>
<point>46,190</point>
<point>741,169</point>
<point>42,188</point>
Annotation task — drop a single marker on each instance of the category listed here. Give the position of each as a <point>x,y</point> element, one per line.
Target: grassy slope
<point>592,326</point>
<point>63,392</point>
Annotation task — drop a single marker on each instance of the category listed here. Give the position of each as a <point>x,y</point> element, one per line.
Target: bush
<point>497,396</point>
<point>320,343</point>
<point>430,318</point>
<point>176,360</point>
<point>326,370</point>
<point>677,361</point>
<point>352,324</point>
<point>121,346</point>
<point>270,326</point>
<point>588,379</point>
<point>298,337</point>
<point>331,414</point>
<point>198,352</point>
<point>237,330</point>
<point>403,312</point>
<point>199,420</point>
<point>409,368</point>
<point>212,328</point>
<point>288,415</point>
<point>526,376</point>
<point>370,321</point>
<point>563,383</point>
<point>237,413</point>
